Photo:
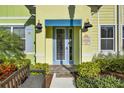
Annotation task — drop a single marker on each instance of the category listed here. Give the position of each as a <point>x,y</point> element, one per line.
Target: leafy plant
<point>10,46</point>
<point>18,62</point>
<point>110,62</point>
<point>40,66</point>
<point>89,69</point>
<point>88,73</point>
<point>99,82</point>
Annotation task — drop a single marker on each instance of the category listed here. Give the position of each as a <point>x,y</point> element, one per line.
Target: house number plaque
<point>86,40</point>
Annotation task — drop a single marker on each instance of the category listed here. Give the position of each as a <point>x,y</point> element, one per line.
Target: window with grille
<point>107,37</point>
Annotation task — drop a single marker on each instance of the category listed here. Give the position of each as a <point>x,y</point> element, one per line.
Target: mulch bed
<point>47,80</point>
<point>116,74</point>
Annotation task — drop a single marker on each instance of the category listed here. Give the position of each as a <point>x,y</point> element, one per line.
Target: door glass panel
<point>70,44</point>
<point>60,44</point>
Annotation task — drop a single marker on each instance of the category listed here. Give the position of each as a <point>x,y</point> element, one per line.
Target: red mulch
<point>47,81</point>
<point>6,70</point>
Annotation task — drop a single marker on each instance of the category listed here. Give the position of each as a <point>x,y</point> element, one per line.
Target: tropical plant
<point>10,46</point>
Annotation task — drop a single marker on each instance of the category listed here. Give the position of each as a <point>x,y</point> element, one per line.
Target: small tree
<point>10,45</point>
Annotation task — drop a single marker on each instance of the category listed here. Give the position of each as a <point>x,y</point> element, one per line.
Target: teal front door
<point>63,46</point>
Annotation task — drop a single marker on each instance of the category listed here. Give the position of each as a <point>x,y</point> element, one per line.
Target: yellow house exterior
<point>64,38</point>
<point>86,44</point>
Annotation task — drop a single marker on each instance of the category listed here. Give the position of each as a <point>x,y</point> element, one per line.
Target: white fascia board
<point>4,24</point>
<point>18,17</point>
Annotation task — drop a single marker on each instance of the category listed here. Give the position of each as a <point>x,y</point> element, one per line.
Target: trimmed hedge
<point>89,69</point>
<point>99,82</point>
<point>88,72</point>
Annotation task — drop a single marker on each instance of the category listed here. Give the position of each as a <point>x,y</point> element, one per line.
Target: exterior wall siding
<point>18,15</point>
<point>88,51</point>
<point>49,45</point>
<point>13,11</point>
<point>121,25</point>
<point>105,15</point>
<point>58,12</point>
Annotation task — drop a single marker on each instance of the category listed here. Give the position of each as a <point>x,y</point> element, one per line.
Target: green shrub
<point>114,65</point>
<point>117,65</point>
<point>19,63</point>
<point>89,69</point>
<point>40,66</point>
<point>110,62</point>
<point>89,72</point>
<point>99,82</point>
<point>104,64</point>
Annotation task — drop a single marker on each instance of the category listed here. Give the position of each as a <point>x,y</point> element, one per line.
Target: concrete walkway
<point>33,82</point>
<point>62,82</point>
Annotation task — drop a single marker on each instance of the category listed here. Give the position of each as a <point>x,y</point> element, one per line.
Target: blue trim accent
<point>66,22</point>
<point>54,41</point>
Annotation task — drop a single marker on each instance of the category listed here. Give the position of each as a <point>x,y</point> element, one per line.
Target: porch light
<point>39,26</point>
<point>87,25</point>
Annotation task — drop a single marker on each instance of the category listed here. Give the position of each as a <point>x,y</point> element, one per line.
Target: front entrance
<point>63,46</point>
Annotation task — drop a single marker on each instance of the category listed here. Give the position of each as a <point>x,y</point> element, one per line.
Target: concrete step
<point>62,75</point>
<point>62,68</point>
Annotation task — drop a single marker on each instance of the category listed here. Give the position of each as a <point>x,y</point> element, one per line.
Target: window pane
<point>103,44</point>
<point>23,44</point>
<point>70,44</point>
<point>103,32</point>
<point>123,32</point>
<point>109,44</point>
<point>20,31</point>
<point>60,44</point>
<point>5,28</point>
<point>123,44</point>
<point>110,32</point>
<point>107,32</point>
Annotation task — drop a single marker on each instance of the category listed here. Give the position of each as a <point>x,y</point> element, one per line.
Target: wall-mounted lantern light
<point>87,25</point>
<point>39,27</point>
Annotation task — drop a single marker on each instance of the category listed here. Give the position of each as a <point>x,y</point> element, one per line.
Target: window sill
<point>29,53</point>
<point>106,52</point>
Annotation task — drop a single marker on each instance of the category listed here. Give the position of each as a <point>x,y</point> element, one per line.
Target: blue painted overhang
<point>65,22</point>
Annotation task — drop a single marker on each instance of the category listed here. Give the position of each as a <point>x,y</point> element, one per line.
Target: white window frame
<point>15,25</point>
<point>107,51</point>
